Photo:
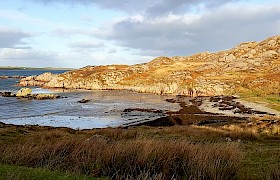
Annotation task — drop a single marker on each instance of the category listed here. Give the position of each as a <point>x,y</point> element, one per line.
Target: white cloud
<point>29,57</point>
<point>147,7</point>
<point>86,45</point>
<point>12,37</point>
<point>186,34</point>
<point>146,29</point>
<point>22,17</point>
<point>112,51</point>
<point>23,54</point>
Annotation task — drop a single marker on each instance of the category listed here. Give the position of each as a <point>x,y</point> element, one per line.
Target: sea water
<point>105,109</point>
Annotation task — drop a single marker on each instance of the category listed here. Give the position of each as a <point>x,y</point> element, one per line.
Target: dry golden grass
<point>122,154</point>
<point>237,151</point>
<point>168,159</point>
<point>253,129</point>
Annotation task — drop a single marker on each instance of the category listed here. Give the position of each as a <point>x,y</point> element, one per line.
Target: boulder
<point>270,54</point>
<point>84,101</point>
<point>45,77</point>
<point>7,94</point>
<point>23,92</point>
<point>45,96</point>
<point>229,57</point>
<point>26,93</point>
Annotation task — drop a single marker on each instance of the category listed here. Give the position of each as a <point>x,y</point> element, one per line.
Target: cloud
<point>68,31</point>
<point>189,33</point>
<point>165,7</point>
<point>86,45</point>
<point>112,51</point>
<point>148,7</point>
<point>23,54</point>
<point>29,57</point>
<point>10,38</point>
<point>146,29</point>
<point>180,27</point>
<point>22,17</point>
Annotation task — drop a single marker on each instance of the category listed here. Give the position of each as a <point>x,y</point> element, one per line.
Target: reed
<point>129,159</point>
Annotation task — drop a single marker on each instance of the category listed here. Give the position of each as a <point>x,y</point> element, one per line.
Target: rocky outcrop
<point>84,101</point>
<point>249,66</point>
<point>27,94</point>
<point>44,96</point>
<point>39,80</point>
<point>24,92</point>
<point>7,94</point>
<point>12,77</point>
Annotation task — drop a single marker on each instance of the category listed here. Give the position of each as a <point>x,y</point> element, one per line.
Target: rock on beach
<point>23,92</point>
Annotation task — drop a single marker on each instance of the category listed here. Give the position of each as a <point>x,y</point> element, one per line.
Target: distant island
<point>32,68</point>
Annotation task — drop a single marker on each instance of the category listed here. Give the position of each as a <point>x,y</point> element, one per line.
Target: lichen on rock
<point>24,92</point>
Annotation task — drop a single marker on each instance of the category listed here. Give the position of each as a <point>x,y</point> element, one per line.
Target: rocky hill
<point>251,67</point>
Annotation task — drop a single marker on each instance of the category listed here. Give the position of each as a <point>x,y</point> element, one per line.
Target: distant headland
<point>32,68</point>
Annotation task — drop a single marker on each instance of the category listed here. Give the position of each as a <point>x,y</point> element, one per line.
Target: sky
<point>77,33</point>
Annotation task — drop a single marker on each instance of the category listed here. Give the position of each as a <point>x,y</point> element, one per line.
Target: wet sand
<point>210,110</point>
<point>100,109</point>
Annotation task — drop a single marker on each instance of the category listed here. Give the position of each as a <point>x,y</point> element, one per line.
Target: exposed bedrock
<point>248,67</point>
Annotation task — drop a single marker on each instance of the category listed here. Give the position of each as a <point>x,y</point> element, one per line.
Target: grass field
<point>247,150</point>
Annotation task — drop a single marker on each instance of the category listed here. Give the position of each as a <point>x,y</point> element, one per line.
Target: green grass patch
<point>271,101</point>
<point>274,99</point>
<point>19,172</point>
<point>261,157</point>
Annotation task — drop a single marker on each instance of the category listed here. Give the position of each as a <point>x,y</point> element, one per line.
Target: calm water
<point>9,84</point>
<point>105,108</point>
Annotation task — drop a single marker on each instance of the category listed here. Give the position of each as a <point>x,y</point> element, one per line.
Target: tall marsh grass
<point>134,158</point>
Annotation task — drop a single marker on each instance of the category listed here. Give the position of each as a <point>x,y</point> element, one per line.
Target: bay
<point>105,109</point>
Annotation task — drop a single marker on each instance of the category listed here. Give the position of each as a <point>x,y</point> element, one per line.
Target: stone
<point>45,96</point>
<point>24,92</point>
<point>84,101</point>
<point>253,51</point>
<point>45,77</point>
<point>270,54</point>
<point>7,94</point>
<point>228,139</point>
<point>230,57</point>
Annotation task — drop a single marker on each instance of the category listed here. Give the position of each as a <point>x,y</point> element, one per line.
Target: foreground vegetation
<point>19,173</point>
<point>272,100</point>
<point>247,150</point>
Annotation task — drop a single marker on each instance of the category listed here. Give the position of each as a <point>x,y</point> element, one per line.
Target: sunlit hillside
<point>250,69</point>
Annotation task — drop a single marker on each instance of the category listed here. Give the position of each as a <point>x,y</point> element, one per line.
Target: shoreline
<point>12,77</point>
<point>101,107</point>
<point>197,111</point>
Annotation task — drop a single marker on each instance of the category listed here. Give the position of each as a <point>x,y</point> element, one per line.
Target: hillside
<point>248,68</point>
